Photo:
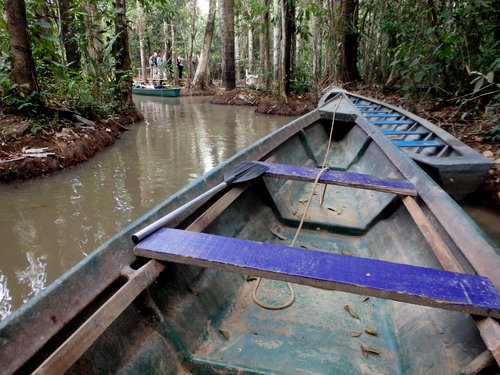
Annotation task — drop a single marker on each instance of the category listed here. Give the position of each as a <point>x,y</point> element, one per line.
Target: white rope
<point>299,228</point>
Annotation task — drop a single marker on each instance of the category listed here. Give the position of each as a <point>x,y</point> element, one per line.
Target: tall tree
<point>23,64</point>
<point>229,65</point>
<point>288,31</point>
<point>276,41</point>
<point>349,60</point>
<point>200,77</point>
<point>265,46</point>
<point>121,51</point>
<point>68,33</point>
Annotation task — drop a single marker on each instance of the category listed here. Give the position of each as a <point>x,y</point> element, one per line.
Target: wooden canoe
<point>456,167</point>
<point>171,92</point>
<point>388,274</point>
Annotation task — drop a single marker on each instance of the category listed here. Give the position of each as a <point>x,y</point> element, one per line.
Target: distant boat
<point>388,275</point>
<point>170,92</point>
<point>452,164</point>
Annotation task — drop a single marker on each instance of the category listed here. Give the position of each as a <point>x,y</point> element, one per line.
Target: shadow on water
<point>49,224</point>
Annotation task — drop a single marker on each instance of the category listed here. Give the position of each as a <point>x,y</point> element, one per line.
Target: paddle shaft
<point>153,227</point>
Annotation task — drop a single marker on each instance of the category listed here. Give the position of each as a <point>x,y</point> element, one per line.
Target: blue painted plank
<point>356,180</point>
<point>417,144</point>
<point>381,115</point>
<point>366,106</point>
<point>401,282</point>
<point>391,122</point>
<point>403,132</point>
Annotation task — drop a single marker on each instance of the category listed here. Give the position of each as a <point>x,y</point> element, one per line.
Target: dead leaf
<point>365,298</point>
<point>225,334</point>
<point>346,252</point>
<point>331,209</point>
<point>279,235</point>
<point>366,351</point>
<point>303,200</point>
<point>193,290</point>
<point>251,278</point>
<point>372,332</point>
<point>351,311</point>
<point>355,334</point>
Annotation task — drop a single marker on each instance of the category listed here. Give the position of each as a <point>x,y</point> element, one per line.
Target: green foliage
<point>39,123</point>
<point>493,135</point>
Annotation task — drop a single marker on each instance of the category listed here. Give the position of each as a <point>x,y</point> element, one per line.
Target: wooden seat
<point>403,132</point>
<point>400,282</point>
<point>417,144</point>
<point>392,122</point>
<point>356,180</point>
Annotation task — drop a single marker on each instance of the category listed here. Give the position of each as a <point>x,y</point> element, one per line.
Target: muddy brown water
<point>47,225</point>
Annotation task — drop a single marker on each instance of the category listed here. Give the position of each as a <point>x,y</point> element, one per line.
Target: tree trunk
<point>277,42</point>
<point>140,36</point>
<point>349,62</point>
<point>265,41</point>
<point>23,64</point>
<point>316,45</point>
<point>189,61</point>
<point>200,78</point>
<point>288,22</point>
<point>72,52</point>
<point>169,56</point>
<point>93,29</point>
<point>228,74</point>
<point>121,50</point>
<point>250,65</point>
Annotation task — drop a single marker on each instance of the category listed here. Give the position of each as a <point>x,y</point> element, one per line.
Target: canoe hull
<point>459,169</point>
<point>203,321</point>
<point>173,93</point>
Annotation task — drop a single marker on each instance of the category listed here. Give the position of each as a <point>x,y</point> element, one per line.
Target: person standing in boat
<point>153,63</point>
<point>180,65</point>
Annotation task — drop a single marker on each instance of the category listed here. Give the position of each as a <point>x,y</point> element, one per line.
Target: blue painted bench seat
<point>417,144</point>
<point>366,106</point>
<point>382,115</point>
<point>400,282</point>
<point>403,132</point>
<point>392,122</point>
<point>356,180</point>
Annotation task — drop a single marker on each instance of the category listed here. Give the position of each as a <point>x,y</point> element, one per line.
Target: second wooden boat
<point>451,163</point>
<point>383,269</point>
<point>170,92</point>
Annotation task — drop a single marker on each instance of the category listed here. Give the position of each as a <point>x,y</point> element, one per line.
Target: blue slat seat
<point>366,106</point>
<point>417,144</point>
<point>403,132</point>
<point>392,122</point>
<point>356,180</point>
<point>400,282</point>
<point>382,115</point>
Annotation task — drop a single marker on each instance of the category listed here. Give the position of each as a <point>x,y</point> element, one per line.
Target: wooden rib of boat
<point>388,274</point>
<point>452,164</point>
<point>170,92</point>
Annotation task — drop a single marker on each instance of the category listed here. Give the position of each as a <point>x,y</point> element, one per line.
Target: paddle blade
<point>245,171</point>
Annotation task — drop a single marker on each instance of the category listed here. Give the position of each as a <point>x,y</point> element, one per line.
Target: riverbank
<point>30,149</point>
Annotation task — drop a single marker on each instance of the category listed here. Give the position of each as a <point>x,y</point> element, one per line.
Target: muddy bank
<point>267,103</point>
<point>25,154</point>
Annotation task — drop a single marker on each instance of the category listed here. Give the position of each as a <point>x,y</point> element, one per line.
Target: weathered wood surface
<point>76,345</point>
<point>418,285</point>
<point>356,180</point>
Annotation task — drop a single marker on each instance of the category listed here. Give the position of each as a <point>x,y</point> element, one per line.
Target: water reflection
<point>48,224</point>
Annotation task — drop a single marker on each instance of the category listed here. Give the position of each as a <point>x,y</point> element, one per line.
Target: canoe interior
<point>203,321</point>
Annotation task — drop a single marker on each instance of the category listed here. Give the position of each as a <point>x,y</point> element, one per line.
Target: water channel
<point>49,224</point>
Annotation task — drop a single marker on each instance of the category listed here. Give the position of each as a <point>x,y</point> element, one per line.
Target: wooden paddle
<point>243,172</point>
